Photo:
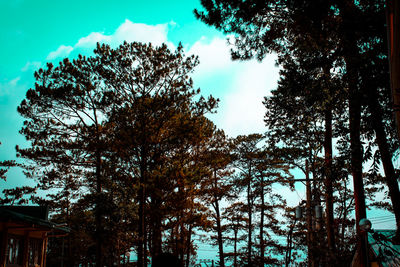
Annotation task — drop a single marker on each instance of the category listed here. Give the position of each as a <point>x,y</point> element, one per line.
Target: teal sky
<point>30,29</point>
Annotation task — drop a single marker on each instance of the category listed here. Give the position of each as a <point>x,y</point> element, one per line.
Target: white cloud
<point>243,109</point>
<point>91,40</point>
<point>241,86</point>
<point>127,31</point>
<point>214,55</point>
<point>139,32</point>
<point>62,51</point>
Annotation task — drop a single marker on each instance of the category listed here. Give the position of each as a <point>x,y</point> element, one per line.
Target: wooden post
<point>393,32</point>
<point>25,256</point>
<point>44,250</point>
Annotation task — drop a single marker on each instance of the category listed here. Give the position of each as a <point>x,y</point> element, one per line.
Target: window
<point>35,252</point>
<point>14,251</point>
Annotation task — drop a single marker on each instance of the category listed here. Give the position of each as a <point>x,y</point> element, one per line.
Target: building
<point>24,233</point>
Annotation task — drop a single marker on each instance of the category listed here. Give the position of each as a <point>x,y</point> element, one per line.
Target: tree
<point>236,222</point>
<point>245,151</point>
<point>261,27</point>
<point>64,123</point>
<point>157,125</point>
<point>269,170</point>
<point>107,129</point>
<point>217,186</point>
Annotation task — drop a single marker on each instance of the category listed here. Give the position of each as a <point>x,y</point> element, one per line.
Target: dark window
<point>14,250</point>
<point>35,252</point>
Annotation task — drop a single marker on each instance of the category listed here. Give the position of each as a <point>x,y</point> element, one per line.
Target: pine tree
<point>108,132</point>
<point>217,186</point>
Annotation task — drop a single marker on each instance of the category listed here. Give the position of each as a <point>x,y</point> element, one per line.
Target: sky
<point>34,32</point>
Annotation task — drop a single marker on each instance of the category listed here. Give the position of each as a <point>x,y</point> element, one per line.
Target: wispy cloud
<point>31,65</point>
<point>62,51</point>
<point>127,31</point>
<point>91,40</point>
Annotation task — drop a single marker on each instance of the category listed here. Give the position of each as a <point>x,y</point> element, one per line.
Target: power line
<point>384,216</point>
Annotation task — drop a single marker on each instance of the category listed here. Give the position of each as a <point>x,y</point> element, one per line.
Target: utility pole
<point>309,220</point>
<point>310,234</point>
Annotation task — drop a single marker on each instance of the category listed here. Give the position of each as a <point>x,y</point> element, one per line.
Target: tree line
<point>334,89</point>
<point>123,151</point>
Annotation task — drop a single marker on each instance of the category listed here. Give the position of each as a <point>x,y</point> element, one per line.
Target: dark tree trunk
<point>218,221</point>
<point>262,248</point>
<point>393,29</point>
<point>140,249</point>
<point>356,165</point>
<point>142,220</point>
<point>98,212</point>
<point>351,53</point>
<point>310,234</point>
<point>328,185</point>
<point>188,245</point>
<point>219,233</point>
<point>386,156</point>
<point>181,250</point>
<point>156,229</point>
<point>249,228</point>
<point>235,248</point>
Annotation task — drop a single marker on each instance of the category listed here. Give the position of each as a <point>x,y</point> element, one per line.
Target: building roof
<point>387,253</point>
<point>33,216</point>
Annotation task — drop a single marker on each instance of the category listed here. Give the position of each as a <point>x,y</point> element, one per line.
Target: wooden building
<point>24,233</point>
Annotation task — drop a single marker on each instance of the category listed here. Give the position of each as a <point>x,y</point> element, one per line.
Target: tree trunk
<point>249,228</point>
<point>393,30</point>
<point>98,213</point>
<point>288,255</point>
<point>386,156</point>
<point>328,185</point>
<point>218,221</point>
<point>262,248</point>
<point>219,234</point>
<point>235,248</point>
<point>156,229</point>
<point>142,220</point>
<point>349,43</point>
<point>181,252</point>
<point>188,244</point>
<point>356,166</point>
